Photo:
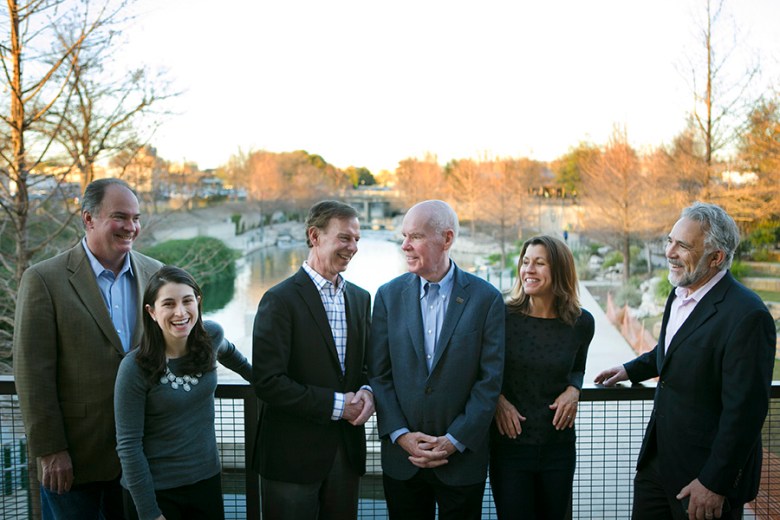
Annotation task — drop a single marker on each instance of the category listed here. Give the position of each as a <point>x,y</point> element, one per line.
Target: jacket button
<point>428,389</point>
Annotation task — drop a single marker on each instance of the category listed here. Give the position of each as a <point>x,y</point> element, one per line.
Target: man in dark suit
<point>436,360</point>
<point>308,366</point>
<point>77,315</point>
<point>702,449</point>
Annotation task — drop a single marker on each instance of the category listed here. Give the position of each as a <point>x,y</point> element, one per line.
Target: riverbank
<point>219,221</point>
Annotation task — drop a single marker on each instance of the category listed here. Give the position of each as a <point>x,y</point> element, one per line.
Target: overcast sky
<point>370,83</point>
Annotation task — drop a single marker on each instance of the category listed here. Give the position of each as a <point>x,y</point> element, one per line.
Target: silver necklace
<point>176,381</point>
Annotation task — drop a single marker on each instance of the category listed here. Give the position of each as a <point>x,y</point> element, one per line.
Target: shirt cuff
<point>338,406</point>
<point>400,431</point>
<point>458,446</point>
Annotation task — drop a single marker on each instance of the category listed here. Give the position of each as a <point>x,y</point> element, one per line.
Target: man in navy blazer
<point>436,359</point>
<point>701,455</point>
<point>309,371</point>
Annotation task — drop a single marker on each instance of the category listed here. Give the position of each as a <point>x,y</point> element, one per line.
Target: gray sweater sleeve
<point>130,410</point>
<point>227,353</point>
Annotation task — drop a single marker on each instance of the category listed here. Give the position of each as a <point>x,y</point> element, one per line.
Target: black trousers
<point>653,502</point>
<point>335,498</point>
<point>417,498</point>
<point>199,501</point>
<point>533,482</point>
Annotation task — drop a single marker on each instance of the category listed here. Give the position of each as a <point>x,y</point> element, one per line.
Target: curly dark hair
<point>564,280</point>
<point>151,351</point>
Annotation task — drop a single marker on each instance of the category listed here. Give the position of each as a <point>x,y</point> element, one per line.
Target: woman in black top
<point>533,453</point>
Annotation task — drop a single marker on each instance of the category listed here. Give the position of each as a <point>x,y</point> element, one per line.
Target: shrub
<point>628,295</point>
<point>612,258</point>
<point>663,289</point>
<point>208,260</point>
<point>739,270</point>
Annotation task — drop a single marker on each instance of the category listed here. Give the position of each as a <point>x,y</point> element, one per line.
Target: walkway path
<point>608,347</point>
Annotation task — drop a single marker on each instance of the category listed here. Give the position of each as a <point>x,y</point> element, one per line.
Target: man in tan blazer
<point>76,316</point>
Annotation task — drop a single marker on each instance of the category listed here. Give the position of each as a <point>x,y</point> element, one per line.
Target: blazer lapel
<point>352,356</point>
<point>82,278</point>
<point>661,346</point>
<point>140,275</point>
<point>457,304</point>
<point>413,318</point>
<point>311,297</point>
<point>704,310</point>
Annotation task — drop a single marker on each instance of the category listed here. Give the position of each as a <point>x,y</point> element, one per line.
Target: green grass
<point>769,296</point>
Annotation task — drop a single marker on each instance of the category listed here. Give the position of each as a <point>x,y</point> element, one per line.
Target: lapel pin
<point>458,300</point>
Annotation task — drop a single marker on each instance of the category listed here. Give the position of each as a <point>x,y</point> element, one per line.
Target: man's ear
<point>718,257</point>
<point>449,238</point>
<point>314,235</point>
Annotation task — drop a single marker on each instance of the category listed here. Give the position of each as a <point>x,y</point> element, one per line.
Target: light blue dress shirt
<point>119,294</point>
<point>433,306</point>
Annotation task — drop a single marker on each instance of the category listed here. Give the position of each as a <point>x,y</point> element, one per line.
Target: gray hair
<point>96,192</point>
<point>721,232</point>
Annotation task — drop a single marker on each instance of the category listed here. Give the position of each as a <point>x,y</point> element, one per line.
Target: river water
<point>379,259</point>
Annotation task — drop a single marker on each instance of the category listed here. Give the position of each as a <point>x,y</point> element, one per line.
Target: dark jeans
<point>652,502</point>
<point>90,501</point>
<point>417,498</point>
<point>199,501</point>
<point>532,482</point>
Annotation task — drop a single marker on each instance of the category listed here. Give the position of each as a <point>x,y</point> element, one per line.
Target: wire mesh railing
<point>610,426</point>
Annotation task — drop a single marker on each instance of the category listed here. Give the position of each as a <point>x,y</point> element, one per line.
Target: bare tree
<point>38,69</point>
<point>420,179</point>
<point>618,197</point>
<point>754,192</point>
<point>466,179</point>
<point>506,200</point>
<point>108,111</point>
<point>721,88</point>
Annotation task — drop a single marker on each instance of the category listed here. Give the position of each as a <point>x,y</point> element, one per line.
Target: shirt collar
<point>98,268</point>
<point>320,281</point>
<point>698,294</point>
<point>445,284</point>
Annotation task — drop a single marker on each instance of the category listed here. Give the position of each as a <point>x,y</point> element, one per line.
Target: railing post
<point>251,407</point>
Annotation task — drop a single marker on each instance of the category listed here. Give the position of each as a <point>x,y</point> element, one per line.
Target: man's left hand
<point>703,504</point>
<point>359,408</point>
<point>437,450</point>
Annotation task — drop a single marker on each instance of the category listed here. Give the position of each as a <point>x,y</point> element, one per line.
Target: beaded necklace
<point>176,381</point>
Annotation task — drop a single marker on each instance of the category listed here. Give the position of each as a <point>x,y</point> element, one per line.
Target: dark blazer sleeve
<point>746,378</point>
<point>643,367</point>
<point>471,427</point>
<point>272,350</point>
<point>390,416</point>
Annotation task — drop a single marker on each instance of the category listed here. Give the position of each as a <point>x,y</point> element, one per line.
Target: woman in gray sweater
<point>164,405</point>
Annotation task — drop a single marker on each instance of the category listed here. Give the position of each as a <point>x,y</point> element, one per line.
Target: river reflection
<point>379,259</point>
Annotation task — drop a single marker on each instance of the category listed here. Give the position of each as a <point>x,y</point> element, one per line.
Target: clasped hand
<point>358,407</point>
<point>426,451</point>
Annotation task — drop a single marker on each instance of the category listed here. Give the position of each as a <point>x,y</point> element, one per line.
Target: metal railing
<point>610,426</point>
